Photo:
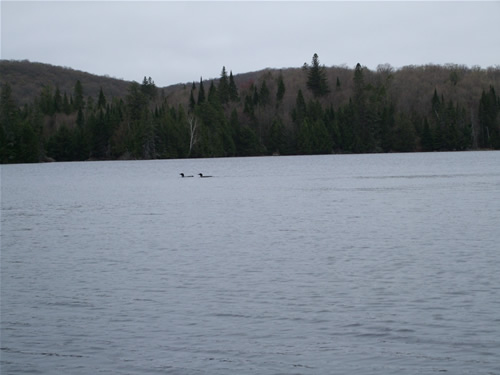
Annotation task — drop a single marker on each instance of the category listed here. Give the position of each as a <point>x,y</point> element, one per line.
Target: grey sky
<point>180,41</point>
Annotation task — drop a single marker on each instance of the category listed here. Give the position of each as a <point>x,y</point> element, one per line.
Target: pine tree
<point>436,104</point>
<point>78,101</point>
<point>249,106</point>
<point>316,78</point>
<point>223,88</point>
<point>66,104</point>
<point>263,94</point>
<point>299,112</point>
<point>489,119</point>
<point>213,94</point>
<point>362,126</point>
<point>255,97</point>
<point>148,88</point>
<point>57,101</point>
<point>426,139</point>
<point>233,90</point>
<point>46,101</point>
<point>101,102</point>
<point>8,125</point>
<point>276,137</point>
<point>80,120</point>
<point>201,93</point>
<point>280,93</point>
<point>192,102</point>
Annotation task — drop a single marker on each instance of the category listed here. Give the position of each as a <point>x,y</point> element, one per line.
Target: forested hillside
<point>70,115</point>
<point>27,79</point>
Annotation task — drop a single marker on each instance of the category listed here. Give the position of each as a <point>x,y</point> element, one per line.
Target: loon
<point>201,175</point>
<point>182,175</point>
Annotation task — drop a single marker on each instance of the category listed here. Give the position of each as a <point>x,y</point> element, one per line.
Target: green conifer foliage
<point>233,89</point>
<point>370,113</point>
<point>66,104</point>
<point>277,143</point>
<point>264,95</point>
<point>213,94</point>
<point>223,88</point>
<point>101,102</point>
<point>201,93</point>
<point>192,102</point>
<point>57,100</point>
<point>280,93</point>
<point>317,81</point>
<point>489,119</point>
<point>78,101</point>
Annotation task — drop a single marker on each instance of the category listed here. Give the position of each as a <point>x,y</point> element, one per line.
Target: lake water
<point>337,264</point>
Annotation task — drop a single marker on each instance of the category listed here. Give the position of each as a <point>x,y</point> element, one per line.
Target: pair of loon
<point>199,174</point>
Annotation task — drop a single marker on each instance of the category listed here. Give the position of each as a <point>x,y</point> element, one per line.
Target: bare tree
<point>193,125</point>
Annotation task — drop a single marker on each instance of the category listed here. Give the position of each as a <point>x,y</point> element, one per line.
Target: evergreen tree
<point>57,101</point>
<point>277,143</point>
<point>255,98</point>
<point>80,120</point>
<point>8,125</point>
<point>8,108</point>
<point>362,127</point>
<point>234,124</point>
<point>201,93</point>
<point>78,101</point>
<point>60,145</point>
<point>66,104</point>
<point>248,109</point>
<point>404,134</point>
<point>192,102</point>
<point>264,94</point>
<point>436,104</point>
<point>223,88</point>
<point>489,119</point>
<point>359,96</point>
<point>136,102</point>
<point>316,78</point>
<point>215,131</point>
<point>280,93</point>
<point>248,142</point>
<point>101,102</point>
<point>304,138</point>
<point>299,112</point>
<point>386,127</point>
<point>46,101</point>
<point>322,143</point>
<point>426,140</point>
<point>331,124</point>
<point>100,134</point>
<point>233,90</point>
<point>213,94</point>
<point>28,144</point>
<point>149,88</point>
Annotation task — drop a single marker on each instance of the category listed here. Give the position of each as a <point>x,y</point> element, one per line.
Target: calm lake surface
<point>338,264</point>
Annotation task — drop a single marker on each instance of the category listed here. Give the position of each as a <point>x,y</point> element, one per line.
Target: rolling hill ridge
<point>57,113</point>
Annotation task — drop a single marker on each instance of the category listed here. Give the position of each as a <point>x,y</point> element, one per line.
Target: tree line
<point>265,116</point>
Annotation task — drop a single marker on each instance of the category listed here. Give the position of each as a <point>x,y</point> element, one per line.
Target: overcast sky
<point>177,42</point>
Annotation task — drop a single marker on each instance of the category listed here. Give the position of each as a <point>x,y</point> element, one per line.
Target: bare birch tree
<point>193,125</point>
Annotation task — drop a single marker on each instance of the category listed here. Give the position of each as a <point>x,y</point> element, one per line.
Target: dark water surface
<point>339,264</point>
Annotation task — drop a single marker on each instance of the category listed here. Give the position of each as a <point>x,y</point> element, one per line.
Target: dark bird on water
<point>182,175</point>
<point>201,175</point>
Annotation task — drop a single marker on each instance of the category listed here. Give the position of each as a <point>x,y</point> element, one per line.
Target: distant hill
<point>410,87</point>
<point>28,78</point>
<point>266,112</point>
